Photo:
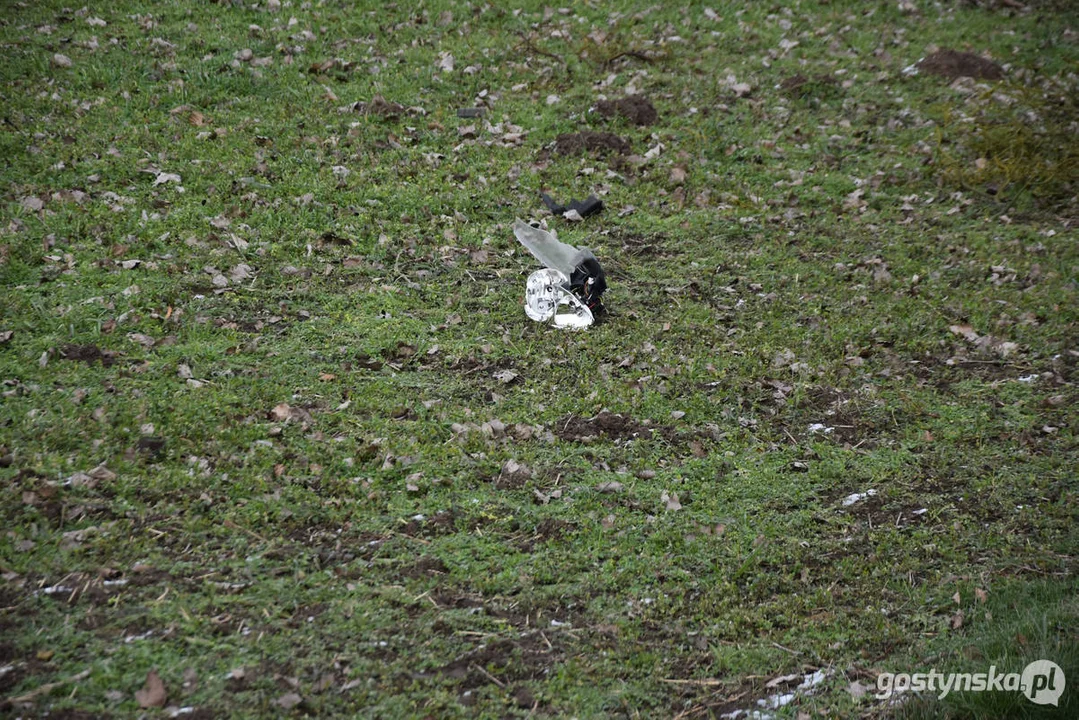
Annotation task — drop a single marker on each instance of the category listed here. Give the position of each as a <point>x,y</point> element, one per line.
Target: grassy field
<point>277,439</point>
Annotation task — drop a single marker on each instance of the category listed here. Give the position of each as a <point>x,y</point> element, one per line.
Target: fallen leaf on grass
<point>166,177</point>
<point>1003,348</point>
<point>965,331</point>
<point>240,272</point>
<point>153,693</point>
<point>102,473</point>
<point>288,701</point>
<point>505,377</point>
<point>670,501</point>
<point>145,340</point>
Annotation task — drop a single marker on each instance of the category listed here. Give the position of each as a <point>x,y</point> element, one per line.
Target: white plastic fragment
<point>857,497</point>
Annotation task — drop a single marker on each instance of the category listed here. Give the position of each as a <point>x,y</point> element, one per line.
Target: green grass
<point>246,430</point>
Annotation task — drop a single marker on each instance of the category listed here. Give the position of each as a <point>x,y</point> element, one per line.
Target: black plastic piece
<point>588,282</point>
<point>589,206</point>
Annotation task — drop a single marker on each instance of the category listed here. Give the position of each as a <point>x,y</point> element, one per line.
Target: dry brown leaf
<point>281,412</point>
<point>153,693</point>
<point>288,701</point>
<point>965,331</point>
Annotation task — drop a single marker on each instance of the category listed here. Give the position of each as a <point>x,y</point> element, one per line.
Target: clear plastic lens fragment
<point>547,295</point>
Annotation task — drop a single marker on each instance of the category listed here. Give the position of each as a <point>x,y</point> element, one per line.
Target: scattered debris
<point>857,497</point>
<point>378,105</point>
<point>780,699</point>
<point>513,476</point>
<point>572,277</point>
<point>984,342</point>
<point>670,501</point>
<point>584,208</point>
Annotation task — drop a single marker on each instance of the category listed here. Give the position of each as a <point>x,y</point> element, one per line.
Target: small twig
<point>628,53</point>
<point>529,45</point>
<point>230,524</point>
<point>49,687</point>
<point>703,683</point>
<point>785,649</point>
<point>490,677</point>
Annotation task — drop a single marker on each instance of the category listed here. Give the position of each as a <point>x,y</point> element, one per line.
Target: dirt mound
<point>610,425</point>
<point>585,142</point>
<point>952,64</point>
<point>635,108</point>
<point>426,566</point>
<point>553,529</point>
<point>88,354</point>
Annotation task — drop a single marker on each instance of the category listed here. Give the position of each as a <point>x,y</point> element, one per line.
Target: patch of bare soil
<point>441,523</point>
<point>426,566</point>
<point>642,246</point>
<point>382,107</point>
<point>88,354</point>
<point>875,512</point>
<point>600,143</point>
<point>837,412</point>
<point>799,85</point>
<point>552,529</point>
<point>635,108</point>
<point>607,424</point>
<point>529,657</point>
<point>548,530</point>
<point>952,64</point>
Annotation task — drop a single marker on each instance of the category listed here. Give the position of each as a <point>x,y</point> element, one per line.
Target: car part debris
<point>547,295</point>
<point>571,277</point>
<point>589,206</point>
